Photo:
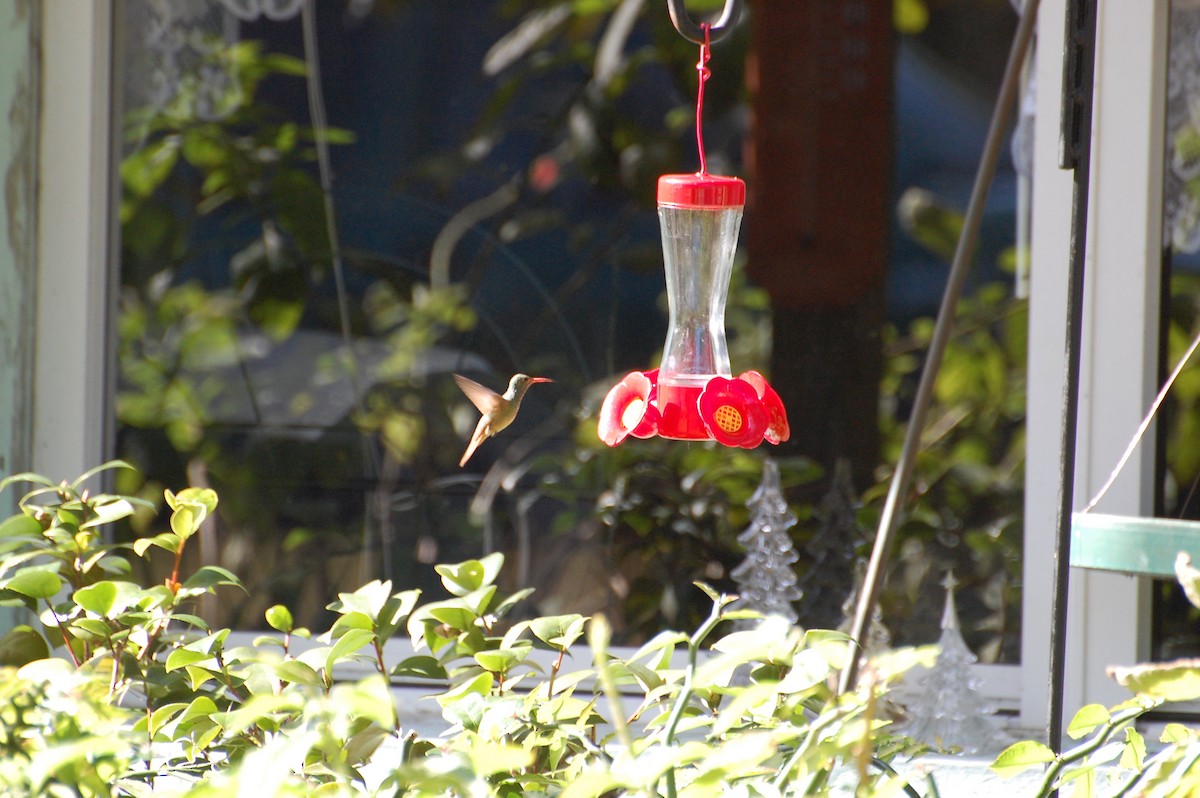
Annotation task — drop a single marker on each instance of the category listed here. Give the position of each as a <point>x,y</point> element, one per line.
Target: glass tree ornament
<point>947,710</point>
<point>766,580</point>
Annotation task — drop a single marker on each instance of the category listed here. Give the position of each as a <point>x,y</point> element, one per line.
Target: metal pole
<point>963,253</point>
<point>1078,78</point>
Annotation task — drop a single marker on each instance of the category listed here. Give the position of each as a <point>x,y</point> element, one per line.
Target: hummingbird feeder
<point>693,395</point>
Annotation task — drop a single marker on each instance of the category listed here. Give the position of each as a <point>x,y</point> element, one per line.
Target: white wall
<point>73,201</point>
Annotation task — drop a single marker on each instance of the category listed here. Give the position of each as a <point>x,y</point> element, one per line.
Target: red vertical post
<point>819,214</point>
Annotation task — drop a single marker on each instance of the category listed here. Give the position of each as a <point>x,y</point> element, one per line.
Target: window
<point>251,356</point>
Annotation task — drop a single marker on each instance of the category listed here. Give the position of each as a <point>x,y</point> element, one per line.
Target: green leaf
<point>1021,756</point>
<point>395,611</point>
<point>710,591</point>
<point>145,169</point>
<point>558,631</point>
<point>351,620</point>
<point>1176,733</point>
<point>291,670</point>
<point>1169,681</point>
<point>1189,577</point>
<point>347,644</point>
<point>47,763</point>
<point>198,677</point>
<point>35,584</point>
<point>112,509</point>
<point>90,629</point>
<point>910,16</point>
<point>210,576</point>
<point>164,714</point>
<point>27,476</point>
<point>367,699</point>
<point>22,645</point>
<point>167,540</point>
<point>107,599</point>
<point>91,472</point>
<point>182,657</point>
<point>20,526</point>
<point>202,497</point>
<point>469,576</point>
<point>186,520</point>
<point>480,685</point>
<point>420,667</point>
<point>1134,755</point>
<point>1087,719</point>
<point>455,615</point>
<point>368,599</point>
<point>490,757</point>
<point>664,642</point>
<point>502,660</point>
<point>279,618</point>
<point>505,606</point>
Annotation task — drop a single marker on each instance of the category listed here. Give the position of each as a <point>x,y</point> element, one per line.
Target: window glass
<point>329,209</point>
<point>1175,629</point>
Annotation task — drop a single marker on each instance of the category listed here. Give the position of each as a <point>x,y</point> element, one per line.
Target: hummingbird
<point>498,411</point>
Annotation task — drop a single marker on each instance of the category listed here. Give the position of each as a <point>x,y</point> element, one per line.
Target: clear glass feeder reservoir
<point>700,216</point>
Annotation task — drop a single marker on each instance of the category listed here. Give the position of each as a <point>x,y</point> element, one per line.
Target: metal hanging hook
<point>694,33</point>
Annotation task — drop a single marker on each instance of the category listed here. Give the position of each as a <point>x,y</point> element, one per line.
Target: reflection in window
<point>1175,629</point>
<point>328,209</point>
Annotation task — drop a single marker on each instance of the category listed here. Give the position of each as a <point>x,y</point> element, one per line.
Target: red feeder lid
<point>701,191</point>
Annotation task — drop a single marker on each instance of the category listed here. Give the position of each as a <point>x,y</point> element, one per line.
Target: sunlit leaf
<point>347,644</point>
<point>420,667</point>
<point>1170,681</point>
<point>35,584</point>
<point>1087,719</point>
<point>1021,756</point>
<point>22,645</point>
<point>279,618</point>
<point>107,599</point>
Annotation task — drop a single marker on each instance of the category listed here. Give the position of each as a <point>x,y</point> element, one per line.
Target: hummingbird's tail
<point>471,447</point>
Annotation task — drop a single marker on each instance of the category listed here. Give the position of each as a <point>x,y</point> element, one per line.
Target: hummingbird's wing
<point>485,399</point>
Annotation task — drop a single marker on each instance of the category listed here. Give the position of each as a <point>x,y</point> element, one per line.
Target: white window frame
<point>1109,614</point>
<point>75,198</point>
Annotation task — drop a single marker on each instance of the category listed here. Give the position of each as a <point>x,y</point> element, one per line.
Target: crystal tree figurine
<point>947,710</point>
<point>832,553</point>
<point>765,579</point>
<point>878,637</point>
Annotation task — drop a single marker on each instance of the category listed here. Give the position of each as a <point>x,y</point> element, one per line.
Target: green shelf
<point>1131,545</point>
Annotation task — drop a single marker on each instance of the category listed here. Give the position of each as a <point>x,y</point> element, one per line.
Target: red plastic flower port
<point>629,409</point>
<point>733,413</point>
<point>778,429</point>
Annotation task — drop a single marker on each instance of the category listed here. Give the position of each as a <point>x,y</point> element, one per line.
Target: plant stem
<point>1146,767</point>
<point>1081,751</point>
<point>62,630</point>
<point>379,663</point>
<point>554,672</point>
<point>886,768</point>
<point>173,582</point>
<point>685,691</point>
<point>803,748</point>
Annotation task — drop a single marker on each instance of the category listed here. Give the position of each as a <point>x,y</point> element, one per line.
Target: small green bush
<point>120,689</point>
<point>1112,757</point>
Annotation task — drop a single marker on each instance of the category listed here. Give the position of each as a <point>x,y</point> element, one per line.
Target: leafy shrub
<point>146,698</point>
<point>1112,757</point>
